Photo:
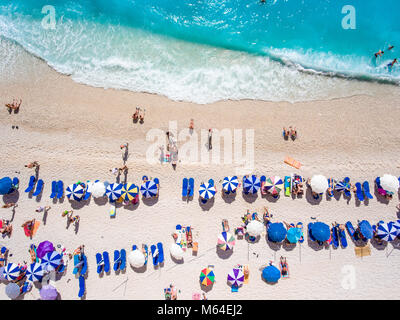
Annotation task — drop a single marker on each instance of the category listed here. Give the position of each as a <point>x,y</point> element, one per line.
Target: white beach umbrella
<point>176,251</point>
<point>255,228</point>
<point>390,183</point>
<point>98,189</point>
<point>136,258</point>
<point>319,183</point>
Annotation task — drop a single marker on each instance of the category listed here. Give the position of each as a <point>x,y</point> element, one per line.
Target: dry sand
<point>75,131</point>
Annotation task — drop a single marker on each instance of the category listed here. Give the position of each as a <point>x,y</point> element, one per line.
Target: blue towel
<point>99,261</point>
<point>122,266</point>
<point>160,252</point>
<point>117,260</point>
<point>106,261</point>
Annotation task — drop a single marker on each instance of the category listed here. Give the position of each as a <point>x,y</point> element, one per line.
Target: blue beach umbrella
<point>341,186</point>
<point>294,235</point>
<point>396,225</point>
<point>386,231</point>
<point>5,185</point>
<point>320,231</point>
<point>114,191</point>
<point>51,260</point>
<point>75,192</point>
<point>276,232</point>
<point>271,274</point>
<point>366,229</point>
<point>11,271</point>
<point>149,189</point>
<point>230,183</point>
<point>207,191</point>
<point>251,184</point>
<point>34,272</point>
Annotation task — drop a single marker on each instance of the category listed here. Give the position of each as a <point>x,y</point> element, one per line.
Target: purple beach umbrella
<point>48,292</point>
<point>236,277</point>
<point>43,248</point>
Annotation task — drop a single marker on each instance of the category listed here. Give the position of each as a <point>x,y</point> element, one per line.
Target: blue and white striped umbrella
<point>230,183</point>
<point>251,184</point>
<point>74,191</point>
<point>341,186</point>
<point>149,189</point>
<point>51,260</point>
<point>397,226</point>
<point>207,191</point>
<point>11,271</point>
<point>34,272</point>
<point>386,231</point>
<point>114,191</point>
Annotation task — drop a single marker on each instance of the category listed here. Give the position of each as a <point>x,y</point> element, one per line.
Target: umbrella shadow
<point>142,269</point>
<point>314,245</point>
<point>249,240</point>
<point>11,197</point>
<point>206,289</point>
<point>379,197</point>
<point>207,205</point>
<point>223,254</point>
<point>270,198</point>
<point>288,246</point>
<point>150,201</point>
<point>310,199</point>
<point>250,197</point>
<point>76,205</point>
<point>228,198</point>
<point>275,246</point>
<point>378,245</point>
<point>177,261</point>
<point>101,201</point>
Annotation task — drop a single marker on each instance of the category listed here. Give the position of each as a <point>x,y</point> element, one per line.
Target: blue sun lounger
<point>122,266</point>
<point>60,189</point>
<point>77,264</point>
<point>84,265</point>
<point>263,179</point>
<point>184,187</point>
<point>15,183</point>
<point>359,191</point>
<point>347,192</point>
<point>117,260</point>
<point>301,240</point>
<point>160,253</point>
<point>39,188</point>
<point>335,237</point>
<point>191,187</point>
<point>366,190</point>
<point>53,189</point>
<point>211,182</point>
<point>342,237</point>
<point>31,184</point>
<point>81,286</point>
<point>100,263</point>
<point>310,236</point>
<point>351,230</point>
<point>155,254</point>
<point>106,262</point>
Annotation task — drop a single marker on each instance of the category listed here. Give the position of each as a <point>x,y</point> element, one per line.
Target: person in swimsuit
<point>390,65</point>
<point>29,225</point>
<point>6,227</point>
<point>379,53</point>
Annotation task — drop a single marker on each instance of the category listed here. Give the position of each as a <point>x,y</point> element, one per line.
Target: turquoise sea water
<point>204,51</point>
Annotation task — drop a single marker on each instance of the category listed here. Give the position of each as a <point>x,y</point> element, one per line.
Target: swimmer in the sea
<point>390,65</point>
<point>379,53</point>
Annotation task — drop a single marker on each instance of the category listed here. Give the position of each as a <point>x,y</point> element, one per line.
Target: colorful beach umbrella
<point>319,183</point>
<point>207,191</point>
<point>236,277</point>
<point>274,184</point>
<point>276,232</point>
<point>12,290</point>
<point>230,183</point>
<point>226,241</point>
<point>74,192</point>
<point>294,234</point>
<point>51,261</point>
<point>207,277</point>
<point>11,271</point>
<point>389,183</point>
<point>43,248</point>
<point>149,189</point>
<point>254,228</point>
<point>114,191</point>
<point>271,274</point>
<point>129,191</point>
<point>320,231</point>
<point>48,292</point>
<point>386,231</point>
<point>251,184</point>
<point>34,272</point>
<point>366,229</point>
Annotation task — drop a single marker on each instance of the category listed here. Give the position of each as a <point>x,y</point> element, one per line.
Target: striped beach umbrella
<point>149,189</point>
<point>236,277</point>
<point>274,184</point>
<point>386,231</point>
<point>207,191</point>
<point>11,271</point>
<point>396,224</point>
<point>341,186</point>
<point>207,277</point>
<point>114,191</point>
<point>75,192</point>
<point>34,272</point>
<point>226,241</point>
<point>230,183</point>
<point>251,184</point>
<point>51,261</point>
<point>129,191</point>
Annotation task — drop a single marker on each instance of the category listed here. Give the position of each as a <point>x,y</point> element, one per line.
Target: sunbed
<point>234,288</point>
<point>106,262</point>
<point>191,187</point>
<point>184,187</point>
<point>347,191</point>
<point>100,262</point>
<point>53,189</point>
<point>81,286</point>
<point>77,264</point>
<point>160,253</point>
<point>31,185</point>
<point>39,188</point>
<point>310,236</point>
<point>84,265</point>
<point>300,225</point>
<point>195,248</point>
<point>335,237</point>
<point>15,183</point>
<point>359,191</point>
<point>351,230</point>
<point>211,182</point>
<point>367,190</point>
<point>60,189</point>
<point>154,253</point>
<point>342,237</point>
<point>117,260</point>
<point>122,266</point>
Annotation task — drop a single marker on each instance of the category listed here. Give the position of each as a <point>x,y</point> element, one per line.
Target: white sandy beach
<point>74,132</point>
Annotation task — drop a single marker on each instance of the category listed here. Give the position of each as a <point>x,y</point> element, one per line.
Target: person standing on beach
<point>209,139</point>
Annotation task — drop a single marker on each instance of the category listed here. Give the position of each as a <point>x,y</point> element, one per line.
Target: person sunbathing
<point>266,215</point>
<point>29,225</point>
<point>14,105</point>
<point>41,209</point>
<point>6,227</point>
<point>225,224</point>
<point>288,226</point>
<point>284,266</point>
<point>3,254</point>
<point>32,253</point>
<point>66,212</point>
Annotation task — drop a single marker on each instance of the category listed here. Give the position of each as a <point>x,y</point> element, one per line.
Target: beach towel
<point>363,251</point>
<point>291,162</point>
<point>31,233</point>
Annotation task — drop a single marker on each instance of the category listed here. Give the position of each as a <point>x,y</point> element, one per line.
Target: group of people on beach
<point>380,54</point>
<point>292,132</point>
<point>14,105</point>
<point>138,115</point>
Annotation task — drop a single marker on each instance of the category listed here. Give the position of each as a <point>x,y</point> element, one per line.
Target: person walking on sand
<point>72,219</point>
<point>41,209</point>
<point>286,133</point>
<point>122,146</point>
<point>135,116</point>
<point>124,169</point>
<point>67,212</point>
<point>191,125</point>
<point>209,139</point>
<point>33,164</point>
<point>293,133</point>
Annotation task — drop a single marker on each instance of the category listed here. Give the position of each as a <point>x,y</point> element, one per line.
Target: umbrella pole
<point>300,252</point>
<point>330,253</point>
<point>248,249</point>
